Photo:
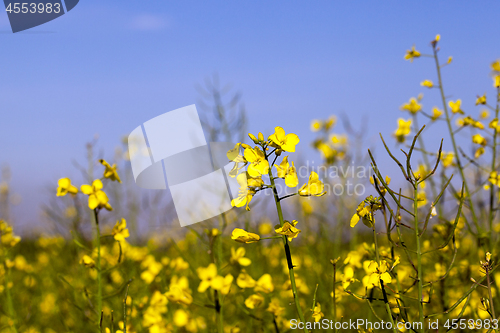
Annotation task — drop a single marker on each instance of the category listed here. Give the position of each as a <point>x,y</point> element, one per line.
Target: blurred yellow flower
<point>87,261</point>
<point>120,231</point>
<point>455,106</point>
<point>494,178</point>
<point>412,54</point>
<point>7,236</point>
<point>436,113</point>
<point>284,142</point>
<point>447,159</point>
<point>264,284</point>
<point>313,187</point>
<point>427,83</point>
<point>181,318</point>
<point>179,291</point>
<point>65,187</point>
<point>288,229</point>
<point>244,280</point>
<point>481,99</point>
<point>375,273</point>
<point>243,236</point>
<point>238,256</point>
<point>275,308</point>
<point>254,301</point>
<point>403,130</point>
<point>97,197</point>
<point>316,125</point>
<point>317,314</point>
<point>479,139</point>
<point>207,276</point>
<point>110,171</point>
<point>413,106</point>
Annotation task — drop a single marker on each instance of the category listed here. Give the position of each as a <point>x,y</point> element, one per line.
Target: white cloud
<point>149,22</point>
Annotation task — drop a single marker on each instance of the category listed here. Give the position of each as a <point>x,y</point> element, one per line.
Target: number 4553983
<point>33,8</point>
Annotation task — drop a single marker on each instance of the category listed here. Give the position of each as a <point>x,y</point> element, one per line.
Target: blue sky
<point>108,66</point>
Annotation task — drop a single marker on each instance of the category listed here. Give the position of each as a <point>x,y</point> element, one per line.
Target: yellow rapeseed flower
<point>316,125</point>
<point>244,280</point>
<point>288,229</point>
<point>313,187</point>
<point>375,273</point>
<point>97,197</point>
<point>286,142</point>
<point>87,261</point>
<point>412,54</point>
<point>317,314</point>
<point>479,139</point>
<point>65,187</point>
<point>481,99</point>
<point>436,113</point>
<point>413,106</point>
<point>110,171</point>
<point>258,163</point>
<point>427,83</point>
<point>287,172</point>
<point>275,308</point>
<point>120,231</point>
<point>243,236</point>
<point>254,301</point>
<point>178,291</point>
<point>264,284</point>
<point>238,256</point>
<point>403,130</point>
<point>455,106</point>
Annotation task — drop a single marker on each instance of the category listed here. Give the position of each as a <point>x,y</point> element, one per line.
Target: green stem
<point>287,251</point>
<point>452,136</point>
<point>220,318</point>
<point>419,256</point>
<point>386,301</point>
<point>98,267</point>
<point>10,305</point>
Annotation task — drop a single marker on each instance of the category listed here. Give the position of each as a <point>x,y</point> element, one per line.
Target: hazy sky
<point>108,66</point>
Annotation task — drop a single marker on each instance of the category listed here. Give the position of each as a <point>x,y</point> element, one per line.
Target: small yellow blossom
<point>288,229</point>
<point>178,291</point>
<point>87,261</point>
<point>287,172</point>
<point>494,178</point>
<point>413,106</point>
<point>65,187</point>
<point>447,159</point>
<point>243,236</point>
<point>313,187</point>
<point>403,130</point>
<point>365,212</point>
<point>455,106</point>
<point>264,284</point>
<point>479,139</point>
<point>412,54</point>
<point>479,151</point>
<point>316,125</point>
<point>254,301</point>
<point>284,142</point>
<point>120,231</point>
<point>481,99</point>
<point>376,273</point>
<point>244,280</point>
<point>238,256</point>
<point>258,163</point>
<point>427,83</point>
<point>275,308</point>
<point>110,171</point>
<point>317,314</point>
<point>436,113</point>
<point>97,197</point>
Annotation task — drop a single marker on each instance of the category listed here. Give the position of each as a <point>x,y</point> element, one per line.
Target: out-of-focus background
<point>106,67</point>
